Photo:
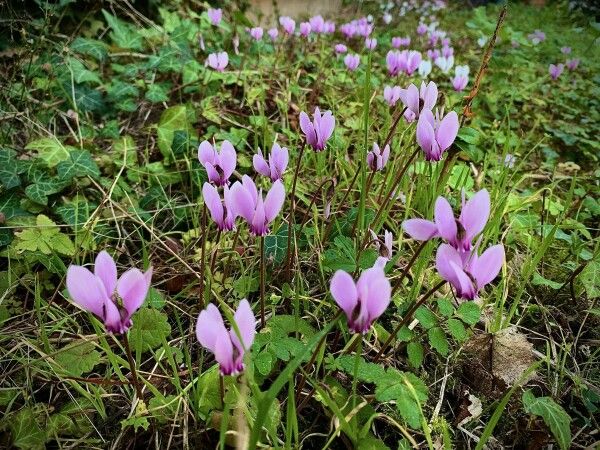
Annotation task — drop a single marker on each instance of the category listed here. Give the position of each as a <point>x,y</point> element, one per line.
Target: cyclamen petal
<point>229,351</point>
<point>318,131</point>
<point>106,269</point>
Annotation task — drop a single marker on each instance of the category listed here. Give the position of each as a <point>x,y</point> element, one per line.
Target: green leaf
<point>45,238</point>
<point>437,339</point>
<point>264,363</point>
<point>123,34</point>
<point>276,245</point>
<point>149,329</point>
<point>171,120</point>
<point>590,277</point>
<point>91,47</point>
<point>157,93</point>
<point>555,417</point>
<point>80,73</point>
<point>79,164</point>
<point>445,307</point>
<point>539,280</point>
<point>457,329</point>
<point>469,312</point>
<point>425,317</point>
<point>371,443</point>
<point>394,387</point>
<point>78,357</point>
<point>39,192</point>
<point>367,371</point>
<point>50,150</point>
<point>76,212</point>
<point>9,170</point>
<point>25,431</point>
<point>415,354</point>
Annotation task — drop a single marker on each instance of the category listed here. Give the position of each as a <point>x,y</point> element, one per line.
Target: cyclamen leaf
<point>25,431</point>
<point>590,277</point>
<point>553,414</point>
<point>149,329</point>
<point>469,312</point>
<point>91,47</point>
<point>9,170</point>
<point>78,357</point>
<point>437,339</point>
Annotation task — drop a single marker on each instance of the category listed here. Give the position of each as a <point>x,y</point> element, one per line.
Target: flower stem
<point>407,317</point>
<point>262,281</point>
<point>364,167</point>
<point>291,218</point>
<point>355,372</point>
<point>134,376</point>
<point>408,266</point>
<point>213,259</point>
<point>203,256</point>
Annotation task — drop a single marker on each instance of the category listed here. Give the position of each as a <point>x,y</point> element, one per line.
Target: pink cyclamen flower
<point>319,130</point>
<point>364,301</point>
<point>256,33</point>
<point>417,100</point>
<point>99,292</point>
<point>469,277</point>
<point>565,50</point>
<point>218,61</point>
<point>219,165</point>
<point>537,36</point>
<point>214,15</point>
<point>509,161</point>
<point>273,33</point>
<point>433,54</point>
<point>447,52</point>
<point>370,43</point>
<point>222,212</point>
<point>340,48</point>
<point>556,70</point>
<point>461,78</point>
<point>572,63</point>
<point>377,159</point>
<point>352,61</point>
<point>329,27</point>
<point>305,29</point>
<point>384,247</point>
<point>229,348</point>
<point>274,168</point>
<point>392,94</point>
<point>445,63</point>
<point>387,18</point>
<point>317,24</point>
<point>288,24</point>
<point>250,205</point>
<point>404,61</point>
<point>421,29</point>
<point>458,232</point>
<point>436,134</point>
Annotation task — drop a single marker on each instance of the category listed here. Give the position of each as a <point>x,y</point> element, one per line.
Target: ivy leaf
<point>25,431</point>
<point>9,170</point>
<point>45,238</point>
<point>76,212</point>
<point>92,47</point>
<point>79,164</point>
<point>157,93</point>
<point>555,417</point>
<point>39,191</point>
<point>437,339</point>
<point>469,312</point>
<point>276,245</point>
<point>172,119</point>
<point>85,98</point>
<point>82,74</point>
<point>149,329</point>
<point>78,357</point>
<point>590,277</point>
<point>123,34</point>
<point>50,150</point>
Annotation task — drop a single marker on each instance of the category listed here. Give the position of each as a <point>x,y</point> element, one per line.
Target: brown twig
<point>291,216</point>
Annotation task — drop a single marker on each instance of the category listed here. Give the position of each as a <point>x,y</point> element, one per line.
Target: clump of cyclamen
<point>228,347</point>
<point>458,261</point>
<point>112,300</point>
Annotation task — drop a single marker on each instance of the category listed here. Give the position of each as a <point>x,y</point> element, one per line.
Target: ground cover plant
<point>375,230</point>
